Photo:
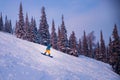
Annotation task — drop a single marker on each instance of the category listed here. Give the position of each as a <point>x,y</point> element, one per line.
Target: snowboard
<point>47,55</point>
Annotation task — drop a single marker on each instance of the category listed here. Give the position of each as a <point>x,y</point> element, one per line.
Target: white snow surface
<point>22,60</point>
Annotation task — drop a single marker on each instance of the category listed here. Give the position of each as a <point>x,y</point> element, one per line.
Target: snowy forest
<point>27,29</point>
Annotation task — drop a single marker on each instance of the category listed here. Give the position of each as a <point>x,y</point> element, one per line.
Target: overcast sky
<point>79,15</point>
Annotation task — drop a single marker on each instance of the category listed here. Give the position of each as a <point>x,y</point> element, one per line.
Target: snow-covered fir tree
<point>80,47</point>
<point>27,28</point>
<point>73,44</point>
<point>43,31</point>
<point>8,26</point>
<point>16,28</point>
<point>64,40</point>
<point>59,42</point>
<point>110,51</point>
<point>97,52</point>
<point>33,31</point>
<point>102,55</point>
<point>115,56</point>
<point>20,26</point>
<point>90,46</point>
<point>1,23</point>
<point>107,54</point>
<point>36,31</point>
<point>85,45</point>
<point>53,36</point>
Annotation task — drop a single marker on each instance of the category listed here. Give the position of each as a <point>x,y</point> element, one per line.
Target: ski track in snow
<point>22,60</point>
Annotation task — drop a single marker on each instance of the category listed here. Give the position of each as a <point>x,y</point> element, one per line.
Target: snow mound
<point>22,60</point>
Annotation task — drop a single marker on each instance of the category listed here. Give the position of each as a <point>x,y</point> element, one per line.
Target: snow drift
<point>21,60</point>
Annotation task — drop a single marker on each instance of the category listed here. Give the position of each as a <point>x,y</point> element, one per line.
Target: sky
<point>79,15</point>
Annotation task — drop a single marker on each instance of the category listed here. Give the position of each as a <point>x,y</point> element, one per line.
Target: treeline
<point>27,29</point>
<point>7,27</point>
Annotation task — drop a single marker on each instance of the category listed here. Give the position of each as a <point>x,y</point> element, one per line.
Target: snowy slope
<point>21,60</point>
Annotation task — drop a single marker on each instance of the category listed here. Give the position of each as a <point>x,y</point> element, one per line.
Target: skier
<point>48,49</point>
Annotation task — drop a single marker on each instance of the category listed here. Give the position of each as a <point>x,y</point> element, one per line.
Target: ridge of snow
<point>21,60</point>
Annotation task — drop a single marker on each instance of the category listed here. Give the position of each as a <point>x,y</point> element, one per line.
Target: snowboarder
<point>48,49</point>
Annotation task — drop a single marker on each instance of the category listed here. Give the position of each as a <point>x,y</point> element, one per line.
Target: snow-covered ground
<point>21,60</point>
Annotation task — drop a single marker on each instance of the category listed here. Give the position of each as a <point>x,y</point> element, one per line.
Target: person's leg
<point>48,52</point>
<point>45,52</point>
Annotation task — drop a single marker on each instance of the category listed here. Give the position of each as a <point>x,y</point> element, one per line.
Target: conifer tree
<point>59,42</point>
<point>1,23</point>
<point>108,54</point>
<point>8,26</point>
<point>64,40</point>
<point>110,51</point>
<point>115,51</point>
<point>53,38</point>
<point>20,26</point>
<point>27,28</point>
<point>102,55</point>
<point>80,47</point>
<point>73,44</point>
<point>44,29</point>
<point>33,31</point>
<point>85,45</point>
<point>16,28</point>
<point>90,49</point>
<point>72,41</point>
<point>97,52</point>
